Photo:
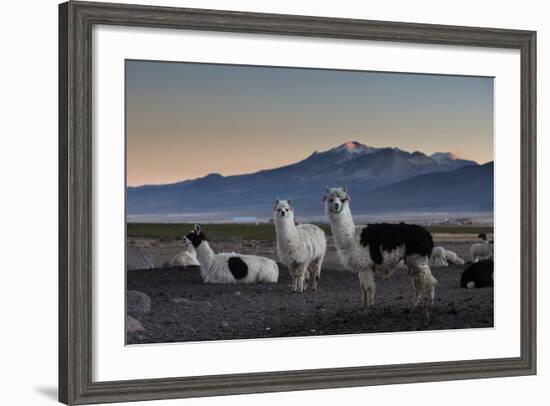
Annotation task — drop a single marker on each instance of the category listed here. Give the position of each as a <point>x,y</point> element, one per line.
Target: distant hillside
<point>378,176</point>
<point>466,189</point>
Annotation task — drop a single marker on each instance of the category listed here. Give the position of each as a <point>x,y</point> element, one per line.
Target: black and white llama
<point>230,267</point>
<point>379,248</point>
<point>478,275</point>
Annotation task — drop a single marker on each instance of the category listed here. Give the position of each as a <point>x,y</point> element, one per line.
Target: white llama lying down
<point>187,257</point>
<point>442,257</point>
<point>301,248</point>
<point>379,248</point>
<point>453,258</point>
<point>438,257</point>
<point>482,250</point>
<point>230,267</point>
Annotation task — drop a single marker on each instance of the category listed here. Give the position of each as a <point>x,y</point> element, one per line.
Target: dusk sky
<point>187,120</point>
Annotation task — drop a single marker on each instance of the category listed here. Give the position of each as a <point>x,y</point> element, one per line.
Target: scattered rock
<point>136,261</point>
<point>138,302</point>
<point>189,302</point>
<point>133,325</point>
<point>336,309</point>
<point>183,300</point>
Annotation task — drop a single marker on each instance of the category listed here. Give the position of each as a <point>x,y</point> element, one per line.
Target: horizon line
<point>291,163</point>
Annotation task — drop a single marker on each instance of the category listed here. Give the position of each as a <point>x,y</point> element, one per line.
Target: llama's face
<point>335,199</point>
<point>195,237</point>
<point>482,236</point>
<point>187,244</point>
<point>283,209</point>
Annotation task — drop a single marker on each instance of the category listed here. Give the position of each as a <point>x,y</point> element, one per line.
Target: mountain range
<point>379,179</point>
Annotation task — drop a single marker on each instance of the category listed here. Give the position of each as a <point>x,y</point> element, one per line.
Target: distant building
<point>245,219</point>
<point>464,220</point>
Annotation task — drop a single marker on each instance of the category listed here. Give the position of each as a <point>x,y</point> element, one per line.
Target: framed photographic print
<point>257,202</point>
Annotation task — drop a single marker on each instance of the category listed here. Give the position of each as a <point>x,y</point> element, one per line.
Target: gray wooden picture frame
<point>76,20</point>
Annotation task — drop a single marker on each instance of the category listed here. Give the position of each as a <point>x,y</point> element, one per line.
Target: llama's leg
<point>300,284</point>
<point>315,272</point>
<point>292,271</point>
<point>300,277</point>
<point>366,279</point>
<point>430,282</point>
<point>423,280</point>
<point>307,278</point>
<point>417,286</point>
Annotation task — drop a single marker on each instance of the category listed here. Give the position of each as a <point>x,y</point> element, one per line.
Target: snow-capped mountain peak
<point>440,156</point>
<point>353,148</point>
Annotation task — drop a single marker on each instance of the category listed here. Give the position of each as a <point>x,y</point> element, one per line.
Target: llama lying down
<point>379,248</point>
<point>483,249</point>
<point>438,257</point>
<point>442,257</point>
<point>187,257</point>
<point>478,275</point>
<point>453,258</point>
<point>230,267</point>
<point>301,248</point>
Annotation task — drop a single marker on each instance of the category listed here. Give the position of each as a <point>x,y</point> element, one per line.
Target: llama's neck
<point>286,229</point>
<point>205,255</point>
<point>343,227</point>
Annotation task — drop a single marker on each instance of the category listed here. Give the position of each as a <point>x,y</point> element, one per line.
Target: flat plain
<point>183,309</point>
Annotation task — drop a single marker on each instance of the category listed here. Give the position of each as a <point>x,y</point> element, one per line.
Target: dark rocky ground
<point>185,309</point>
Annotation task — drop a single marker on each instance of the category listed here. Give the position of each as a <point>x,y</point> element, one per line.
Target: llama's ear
<point>345,189</point>
<point>288,201</point>
<point>327,189</point>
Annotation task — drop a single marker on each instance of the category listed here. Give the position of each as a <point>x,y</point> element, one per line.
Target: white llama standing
<point>230,267</point>
<point>300,247</point>
<point>379,248</point>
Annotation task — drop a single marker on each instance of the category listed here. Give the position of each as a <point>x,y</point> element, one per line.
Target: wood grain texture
<point>76,20</point>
